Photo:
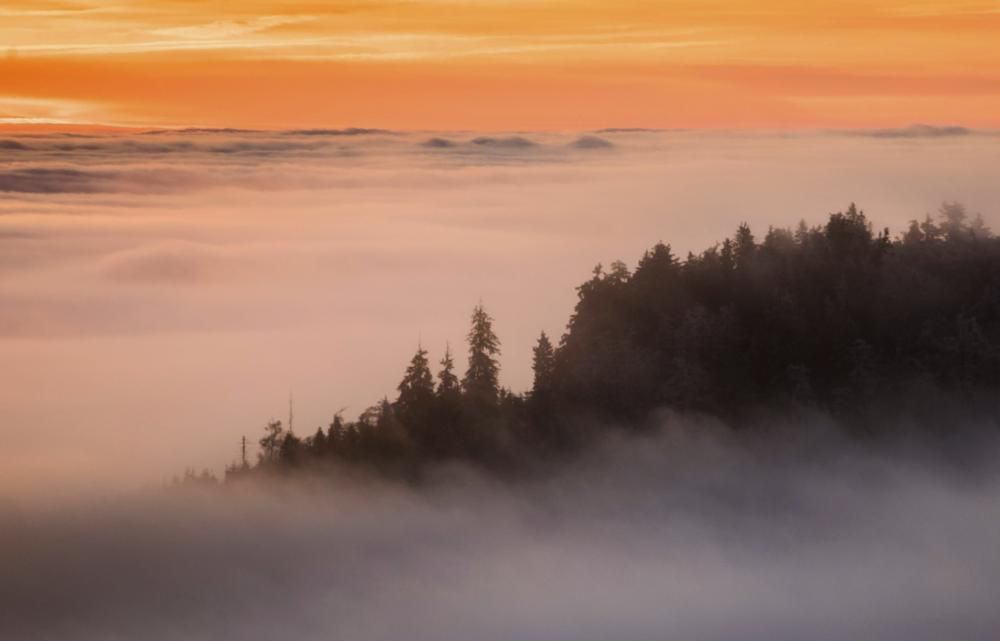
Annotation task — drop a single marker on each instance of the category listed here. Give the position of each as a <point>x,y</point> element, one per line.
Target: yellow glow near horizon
<point>489,64</point>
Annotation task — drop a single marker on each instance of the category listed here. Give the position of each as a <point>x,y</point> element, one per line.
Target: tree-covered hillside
<point>837,317</point>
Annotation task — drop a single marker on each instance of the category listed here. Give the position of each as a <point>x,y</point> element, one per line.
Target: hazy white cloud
<point>683,535</point>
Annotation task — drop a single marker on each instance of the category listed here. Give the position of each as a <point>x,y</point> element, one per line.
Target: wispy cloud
<point>16,110</point>
<point>228,29</point>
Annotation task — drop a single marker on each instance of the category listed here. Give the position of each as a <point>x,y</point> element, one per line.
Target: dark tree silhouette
<point>543,365</point>
<point>416,390</point>
<point>318,443</point>
<point>448,383</point>
<point>836,317</point>
<point>270,443</point>
<point>481,382</point>
<point>290,452</point>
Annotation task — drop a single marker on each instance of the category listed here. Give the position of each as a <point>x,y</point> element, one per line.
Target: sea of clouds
<point>162,292</point>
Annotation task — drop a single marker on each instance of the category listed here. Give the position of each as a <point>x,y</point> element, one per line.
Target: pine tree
<point>319,442</point>
<point>913,235</point>
<point>291,445</point>
<point>414,408</point>
<point>801,233</point>
<point>448,384</point>
<point>744,247</point>
<point>481,380</point>
<point>727,256</point>
<point>385,416</point>
<point>416,390</point>
<point>543,364</point>
<point>656,266</point>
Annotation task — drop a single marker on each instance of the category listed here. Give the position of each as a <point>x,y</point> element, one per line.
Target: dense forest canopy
<point>837,317</point>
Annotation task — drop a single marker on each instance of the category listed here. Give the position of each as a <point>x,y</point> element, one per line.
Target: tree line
<point>837,317</point>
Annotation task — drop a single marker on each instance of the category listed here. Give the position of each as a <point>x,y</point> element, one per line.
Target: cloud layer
<point>164,290</point>
<point>684,535</point>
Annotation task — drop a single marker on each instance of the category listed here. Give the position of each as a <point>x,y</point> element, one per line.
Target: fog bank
<point>690,534</point>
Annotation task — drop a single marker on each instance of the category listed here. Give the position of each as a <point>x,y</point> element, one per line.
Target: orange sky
<point>492,64</point>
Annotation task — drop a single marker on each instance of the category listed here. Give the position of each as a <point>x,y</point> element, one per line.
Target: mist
<point>690,532</point>
<point>162,293</point>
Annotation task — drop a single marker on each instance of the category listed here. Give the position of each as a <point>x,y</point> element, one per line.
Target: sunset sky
<point>492,64</point>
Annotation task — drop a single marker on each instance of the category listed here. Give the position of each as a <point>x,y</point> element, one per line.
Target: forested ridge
<point>838,317</point>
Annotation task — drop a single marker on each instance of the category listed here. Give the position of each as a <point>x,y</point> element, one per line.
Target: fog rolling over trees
<point>877,331</point>
<point>789,436</point>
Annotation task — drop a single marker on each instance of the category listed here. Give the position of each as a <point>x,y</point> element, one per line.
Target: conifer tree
<point>448,383</point>
<point>417,386</point>
<point>416,392</point>
<point>481,382</point>
<point>319,442</point>
<point>744,247</point>
<point>335,431</point>
<point>656,264</point>
<point>288,454</point>
<point>913,235</point>
<point>543,364</point>
<point>727,256</point>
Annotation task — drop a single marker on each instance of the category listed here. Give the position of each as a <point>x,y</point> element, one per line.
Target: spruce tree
<point>319,442</point>
<point>481,382</point>
<point>744,247</point>
<point>288,453</point>
<point>416,390</point>
<point>448,384</point>
<point>543,364</point>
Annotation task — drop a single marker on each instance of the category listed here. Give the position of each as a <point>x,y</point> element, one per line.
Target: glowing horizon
<point>516,64</point>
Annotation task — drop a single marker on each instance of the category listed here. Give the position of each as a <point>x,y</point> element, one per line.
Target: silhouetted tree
<point>834,316</point>
<point>416,390</point>
<point>318,442</point>
<point>448,383</point>
<point>291,449</point>
<point>543,364</point>
<point>914,235</point>
<point>744,247</point>
<point>336,434</point>
<point>481,382</point>
<point>270,443</point>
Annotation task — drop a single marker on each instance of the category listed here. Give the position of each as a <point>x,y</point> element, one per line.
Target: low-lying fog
<point>686,536</point>
<point>162,293</point>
